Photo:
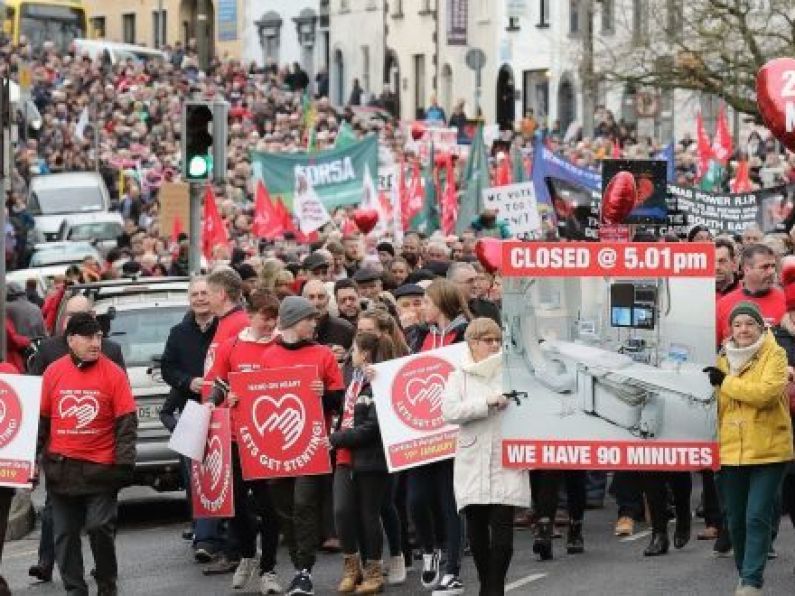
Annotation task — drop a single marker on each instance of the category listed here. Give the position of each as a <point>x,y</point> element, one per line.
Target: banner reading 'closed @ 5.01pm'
<point>280,427</point>
<point>408,393</point>
<point>604,350</point>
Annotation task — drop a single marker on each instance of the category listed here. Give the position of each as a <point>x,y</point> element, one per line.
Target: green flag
<point>476,178</point>
<point>518,165</point>
<point>345,136</point>
<point>712,180</point>
<point>427,219</point>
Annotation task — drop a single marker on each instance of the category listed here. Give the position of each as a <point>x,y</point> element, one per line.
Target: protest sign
<point>408,393</point>
<point>19,425</point>
<point>280,426</point>
<point>515,203</point>
<point>310,211</point>
<point>174,212</point>
<point>211,478</point>
<point>336,175</point>
<point>190,434</point>
<point>604,350</point>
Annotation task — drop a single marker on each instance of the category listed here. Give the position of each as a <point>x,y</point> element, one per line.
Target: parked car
<point>53,197</point>
<point>102,230</point>
<point>138,314</point>
<point>62,253</point>
<point>21,276</point>
<point>114,52</point>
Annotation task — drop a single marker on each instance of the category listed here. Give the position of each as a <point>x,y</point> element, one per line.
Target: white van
<point>114,52</point>
<point>52,197</point>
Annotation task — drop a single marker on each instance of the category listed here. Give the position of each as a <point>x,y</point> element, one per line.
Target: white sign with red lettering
<point>408,393</point>
<point>20,396</point>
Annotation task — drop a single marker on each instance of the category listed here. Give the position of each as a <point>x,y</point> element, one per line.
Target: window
<point>158,28</point>
<point>128,28</point>
<point>513,24</point>
<point>425,6</point>
<point>674,18</point>
<point>574,17</point>
<point>397,8</point>
<point>98,27</point>
<point>543,13</point>
<point>640,21</point>
<point>608,15</point>
<point>344,6</point>
<point>372,5</point>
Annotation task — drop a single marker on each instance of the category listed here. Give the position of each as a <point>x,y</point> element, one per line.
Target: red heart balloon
<point>365,219</point>
<point>619,198</point>
<point>441,160</point>
<point>418,129</point>
<point>489,253</point>
<point>775,91</point>
<point>787,270</point>
<point>645,190</point>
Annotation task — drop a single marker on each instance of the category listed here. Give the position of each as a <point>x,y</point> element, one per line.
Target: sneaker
<point>449,585</point>
<point>221,566</point>
<point>245,572</point>
<point>301,584</point>
<point>396,571</point>
<point>625,526</point>
<point>202,555</point>
<point>430,569</point>
<point>269,583</point>
<point>723,544</point>
<point>772,554</point>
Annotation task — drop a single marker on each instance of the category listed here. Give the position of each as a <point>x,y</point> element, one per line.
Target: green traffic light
<point>199,166</point>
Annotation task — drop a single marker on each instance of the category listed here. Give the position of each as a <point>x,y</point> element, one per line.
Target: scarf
<point>739,357</point>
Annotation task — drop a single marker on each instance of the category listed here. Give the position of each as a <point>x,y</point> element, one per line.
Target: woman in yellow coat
<point>755,434</point>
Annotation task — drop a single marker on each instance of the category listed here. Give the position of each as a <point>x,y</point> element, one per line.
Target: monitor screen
<point>621,316</point>
<point>643,318</point>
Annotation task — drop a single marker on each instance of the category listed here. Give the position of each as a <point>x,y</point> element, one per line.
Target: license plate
<point>149,413</point>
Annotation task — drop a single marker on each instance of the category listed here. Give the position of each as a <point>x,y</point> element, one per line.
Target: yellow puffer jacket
<point>753,409</point>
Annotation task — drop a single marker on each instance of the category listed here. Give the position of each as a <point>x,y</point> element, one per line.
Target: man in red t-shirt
<point>299,500</point>
<point>759,287</point>
<point>87,433</point>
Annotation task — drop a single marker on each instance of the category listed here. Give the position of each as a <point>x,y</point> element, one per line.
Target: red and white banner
<point>609,455</point>
<point>409,394</point>
<point>19,426</point>
<point>211,479</point>
<point>591,259</point>
<point>279,421</point>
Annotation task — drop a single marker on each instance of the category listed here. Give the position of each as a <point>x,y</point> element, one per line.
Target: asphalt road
<point>154,560</point>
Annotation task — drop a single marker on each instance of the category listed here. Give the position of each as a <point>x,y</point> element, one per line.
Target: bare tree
<point>710,46</point>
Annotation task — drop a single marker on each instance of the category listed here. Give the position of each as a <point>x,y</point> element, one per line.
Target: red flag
<point>349,227</point>
<point>177,228</point>
<point>213,227</point>
<point>416,197</point>
<point>449,202</point>
<point>266,222</point>
<point>616,152</point>
<point>742,178</point>
<point>703,147</point>
<point>502,177</point>
<point>722,143</point>
<point>284,217</point>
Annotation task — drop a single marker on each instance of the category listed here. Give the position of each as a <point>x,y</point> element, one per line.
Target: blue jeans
<point>749,494</point>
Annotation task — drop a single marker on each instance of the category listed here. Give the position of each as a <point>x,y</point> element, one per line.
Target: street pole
<point>587,71</point>
<point>194,256</point>
<point>202,37</point>
<point>5,185</point>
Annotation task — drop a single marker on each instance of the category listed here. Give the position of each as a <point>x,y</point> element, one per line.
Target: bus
<point>58,21</point>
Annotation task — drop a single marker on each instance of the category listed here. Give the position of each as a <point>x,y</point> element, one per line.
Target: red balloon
<point>489,253</point>
<point>775,90</point>
<point>619,198</point>
<point>365,219</point>
<point>418,129</point>
<point>645,190</point>
<point>441,160</point>
<point>787,270</point>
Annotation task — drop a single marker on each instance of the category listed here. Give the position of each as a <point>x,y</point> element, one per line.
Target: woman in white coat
<point>485,491</point>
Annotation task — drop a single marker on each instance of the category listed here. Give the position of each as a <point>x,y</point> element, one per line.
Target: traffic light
<point>197,142</point>
<point>204,134</point>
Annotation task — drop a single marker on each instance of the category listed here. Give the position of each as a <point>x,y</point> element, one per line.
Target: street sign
<point>475,58</point>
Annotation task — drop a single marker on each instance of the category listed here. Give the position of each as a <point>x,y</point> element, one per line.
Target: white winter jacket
<point>479,477</point>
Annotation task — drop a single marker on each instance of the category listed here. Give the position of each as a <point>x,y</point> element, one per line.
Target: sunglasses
<point>490,340</point>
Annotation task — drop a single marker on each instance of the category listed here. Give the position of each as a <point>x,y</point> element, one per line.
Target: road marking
<point>524,581</point>
<point>637,536</point>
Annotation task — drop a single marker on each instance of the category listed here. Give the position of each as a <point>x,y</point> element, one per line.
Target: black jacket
<point>182,361</point>
<point>54,348</point>
<point>335,331</point>
<point>480,307</point>
<point>416,334</point>
<point>364,439</point>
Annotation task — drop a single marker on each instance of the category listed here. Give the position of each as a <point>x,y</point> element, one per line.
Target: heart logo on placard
<point>286,415</point>
<point>3,412</point>
<point>84,409</point>
<point>775,97</point>
<point>429,390</point>
<point>214,461</point>
<point>645,190</point>
<point>489,252</point>
<point>619,198</point>
<point>10,414</point>
<point>365,219</point>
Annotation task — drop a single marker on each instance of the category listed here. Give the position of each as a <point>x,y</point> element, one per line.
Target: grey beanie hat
<point>294,309</point>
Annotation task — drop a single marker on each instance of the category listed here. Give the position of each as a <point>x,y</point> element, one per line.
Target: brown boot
<point>373,582</point>
<point>351,574</point>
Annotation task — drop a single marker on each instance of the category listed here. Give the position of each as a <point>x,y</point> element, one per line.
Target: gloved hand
<point>716,376</point>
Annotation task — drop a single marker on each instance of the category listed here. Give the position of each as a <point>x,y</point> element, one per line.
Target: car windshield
<point>142,333</point>
<point>54,201</point>
<point>106,230</point>
<point>62,255</point>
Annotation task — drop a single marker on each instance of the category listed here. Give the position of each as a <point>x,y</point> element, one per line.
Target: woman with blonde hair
<point>485,491</point>
<point>379,320</point>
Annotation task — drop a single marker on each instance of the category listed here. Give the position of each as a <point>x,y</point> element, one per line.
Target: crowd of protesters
<point>349,301</point>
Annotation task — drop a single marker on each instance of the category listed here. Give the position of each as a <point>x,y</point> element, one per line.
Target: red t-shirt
<point>773,306</point>
<point>311,354</point>
<point>229,325</point>
<point>82,405</point>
